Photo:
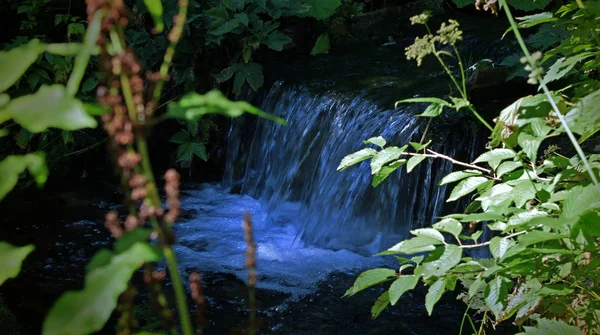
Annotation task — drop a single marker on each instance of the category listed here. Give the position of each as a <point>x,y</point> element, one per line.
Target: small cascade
<point>294,166</point>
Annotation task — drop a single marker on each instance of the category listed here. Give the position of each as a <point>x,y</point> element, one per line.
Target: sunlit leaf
<point>494,157</point>
<point>380,304</point>
<point>402,285</point>
<point>552,327</point>
<point>11,258</point>
<point>378,141</point>
<point>156,11</point>
<point>449,225</point>
<point>436,290</point>
<point>465,187</point>
<point>12,166</point>
<point>15,62</point>
<point>385,156</point>
<point>369,278</point>
<point>496,293</point>
<point>414,161</point>
<point>459,175</point>
<point>356,158</point>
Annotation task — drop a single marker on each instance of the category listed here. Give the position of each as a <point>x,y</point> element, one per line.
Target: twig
<point>471,246</point>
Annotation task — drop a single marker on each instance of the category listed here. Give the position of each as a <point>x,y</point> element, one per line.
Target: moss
<point>8,320</point>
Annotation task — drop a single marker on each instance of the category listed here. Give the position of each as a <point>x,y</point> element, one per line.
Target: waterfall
<point>295,165</point>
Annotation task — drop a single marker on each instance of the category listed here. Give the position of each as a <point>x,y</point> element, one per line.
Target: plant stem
<point>462,69</point>
<point>83,57</point>
<point>182,306</point>
<point>550,99</point>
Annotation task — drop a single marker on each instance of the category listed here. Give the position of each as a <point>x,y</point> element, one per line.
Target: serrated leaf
<point>494,157</point>
<point>250,72</point>
<point>193,106</point>
<point>378,141</point>
<point>380,304</point>
<point>525,217</point>
<point>12,166</point>
<point>385,156</point>
<point>530,145</point>
<point>496,293</point>
<point>465,187</point>
<point>563,66</point>
<point>320,9</point>
<point>449,225</point>
<point>529,5</point>
<point>11,258</point>
<point>277,40</point>
<point>402,285</point>
<point>499,246</point>
<point>199,150</point>
<point>412,246</point>
<point>439,267</point>
<point>552,327</point>
<point>322,45</point>
<point>429,232</point>
<point>435,292</point>
<point>432,110</point>
<point>156,11</point>
<point>507,167</point>
<point>86,311</point>
<point>385,171</point>
<point>181,137</point>
<point>476,286</point>
<point>585,119</point>
<point>356,158</point>
<point>370,278</point>
<point>414,161</point>
<point>579,200</point>
<point>431,100</point>
<point>419,146</point>
<point>50,107</point>
<point>15,62</point>
<point>459,175</point>
<point>535,236</point>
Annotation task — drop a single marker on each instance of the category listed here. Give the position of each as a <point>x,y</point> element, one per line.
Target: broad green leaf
<point>243,18</point>
<point>523,191</point>
<point>380,304</point>
<point>522,301</point>
<point>86,311</point>
<point>459,175</point>
<point>378,141</point>
<point>532,20</point>
<point>497,198</point>
<point>156,11</point>
<point>15,62</point>
<point>528,5</point>
<point>496,293</point>
<point>402,285</point>
<point>223,26</point>
<point>414,245</point>
<point>552,327</point>
<point>181,137</point>
<point>65,49</point>
<point>419,146</point>
<point>89,84</point>
<point>429,232</point>
<point>523,218</point>
<point>385,171</point>
<point>385,156</point>
<point>585,119</point>
<point>322,45</point>
<point>439,267</point>
<point>250,72</point>
<point>476,286</point>
<point>320,9</point>
<point>436,290</point>
<point>536,236</point>
<point>435,101</point>
<point>12,166</point>
<point>465,187</point>
<point>95,109</point>
<point>463,3</point>
<point>199,150</point>
<point>11,258</point>
<point>563,66</point>
<point>499,246</point>
<point>130,238</point>
<point>530,145</point>
<point>579,200</point>
<point>356,158</point>
<point>277,40</point>
<point>414,161</point>
<point>369,278</point>
<point>494,157</point>
<point>449,225</point>
<point>432,110</point>
<point>507,167</point>
<point>50,107</point>
<point>467,267</point>
<point>476,217</point>
<point>193,106</point>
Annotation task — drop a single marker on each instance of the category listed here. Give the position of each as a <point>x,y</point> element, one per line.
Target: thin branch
<point>472,246</point>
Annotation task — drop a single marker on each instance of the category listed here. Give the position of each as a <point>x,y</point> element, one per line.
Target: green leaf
<point>320,9</point>
<point>95,109</point>
<point>412,246</point>
<point>449,225</point>
<point>499,246</point>
<point>385,171</point>
<point>193,106</point>
<point>15,62</point>
<point>536,236</point>
<point>321,45</point>
<point>529,5</point>
<point>496,293</point>
<point>419,146</point>
<point>378,141</point>
<point>463,3</point>
<point>530,145</point>
<point>370,278</point>
<point>250,72</point>
<point>380,304</point>
<point>439,267</point>
<point>552,327</point>
<point>89,84</point>
<point>12,166</point>
<point>199,150</point>
<point>435,101</point>
<point>507,167</point>
<point>436,290</point>
<point>356,158</point>
<point>497,198</point>
<point>11,258</point>
<point>494,157</point>
<point>402,285</point>
<point>459,175</point>
<point>432,110</point>
<point>579,200</point>
<point>277,40</point>
<point>414,161</point>
<point>51,106</point>
<point>65,49</point>
<point>130,238</point>
<point>156,11</point>
<point>181,137</point>
<point>465,187</point>
<point>385,156</point>
<point>86,311</point>
<point>563,66</point>
<point>243,18</point>
<point>429,232</point>
<point>585,119</point>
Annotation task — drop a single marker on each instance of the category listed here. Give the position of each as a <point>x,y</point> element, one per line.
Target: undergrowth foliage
<point>544,210</point>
